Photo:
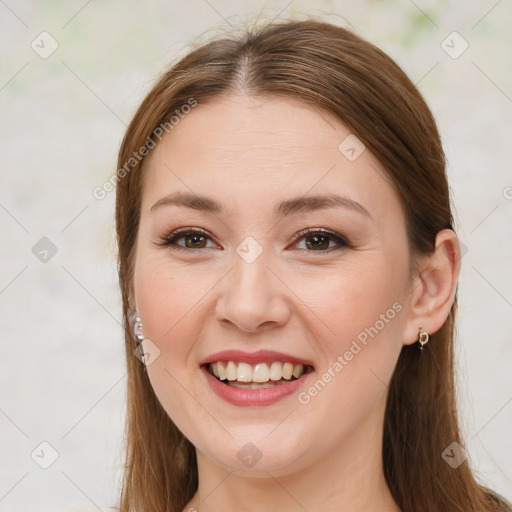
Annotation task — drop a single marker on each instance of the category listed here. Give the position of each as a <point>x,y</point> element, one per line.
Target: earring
<point>137,329</point>
<point>139,337</point>
<point>423,337</point>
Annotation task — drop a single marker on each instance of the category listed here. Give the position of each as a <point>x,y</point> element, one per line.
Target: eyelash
<point>170,240</point>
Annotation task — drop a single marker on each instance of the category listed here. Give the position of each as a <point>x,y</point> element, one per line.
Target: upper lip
<point>254,357</point>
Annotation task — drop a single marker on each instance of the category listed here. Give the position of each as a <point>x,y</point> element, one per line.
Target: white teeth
<point>287,371</point>
<point>231,373</point>
<point>221,370</point>
<point>276,371</point>
<point>297,370</point>
<point>244,372</point>
<point>258,373</point>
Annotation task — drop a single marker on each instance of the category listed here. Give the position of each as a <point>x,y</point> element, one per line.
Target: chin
<point>252,452</point>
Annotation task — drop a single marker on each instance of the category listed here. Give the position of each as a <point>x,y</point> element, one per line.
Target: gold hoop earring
<point>423,337</point>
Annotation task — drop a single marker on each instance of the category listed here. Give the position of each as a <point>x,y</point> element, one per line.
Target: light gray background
<point>62,119</point>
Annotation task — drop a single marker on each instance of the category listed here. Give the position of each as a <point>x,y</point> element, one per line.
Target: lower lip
<point>249,397</point>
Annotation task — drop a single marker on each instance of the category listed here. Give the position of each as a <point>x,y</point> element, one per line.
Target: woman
<point>289,267</point>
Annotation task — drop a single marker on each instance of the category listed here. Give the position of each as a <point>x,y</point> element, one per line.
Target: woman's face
<point>334,300</point>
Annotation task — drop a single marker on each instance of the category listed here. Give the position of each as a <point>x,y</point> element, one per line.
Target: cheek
<point>358,322</point>
<point>169,303</point>
<point>360,302</point>
<point>364,315</point>
<point>168,296</point>
<point>353,302</point>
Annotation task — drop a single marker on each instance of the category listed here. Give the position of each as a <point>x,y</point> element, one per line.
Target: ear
<point>434,287</point>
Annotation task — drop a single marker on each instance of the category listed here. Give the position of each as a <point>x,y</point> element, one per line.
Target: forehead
<point>242,148</point>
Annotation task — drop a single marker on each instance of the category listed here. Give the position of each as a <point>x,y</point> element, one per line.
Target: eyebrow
<point>287,207</point>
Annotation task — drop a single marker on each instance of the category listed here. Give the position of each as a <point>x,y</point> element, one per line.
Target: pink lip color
<point>261,356</point>
<point>249,397</point>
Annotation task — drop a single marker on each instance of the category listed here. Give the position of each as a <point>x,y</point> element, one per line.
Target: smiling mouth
<point>256,376</point>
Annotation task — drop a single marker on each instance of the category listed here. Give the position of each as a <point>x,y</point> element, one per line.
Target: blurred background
<point>71,76</point>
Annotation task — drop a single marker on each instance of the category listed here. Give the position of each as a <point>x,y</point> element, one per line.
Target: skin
<point>250,154</point>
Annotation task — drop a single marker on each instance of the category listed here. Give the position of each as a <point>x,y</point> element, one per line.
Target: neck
<point>348,478</point>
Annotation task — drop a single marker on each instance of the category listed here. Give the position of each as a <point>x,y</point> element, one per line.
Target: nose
<point>252,297</point>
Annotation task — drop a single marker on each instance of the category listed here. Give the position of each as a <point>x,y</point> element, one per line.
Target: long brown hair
<point>336,71</point>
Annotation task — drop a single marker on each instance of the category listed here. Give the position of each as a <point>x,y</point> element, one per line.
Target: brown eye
<point>194,241</point>
<point>319,240</point>
<point>187,239</point>
<point>315,240</point>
